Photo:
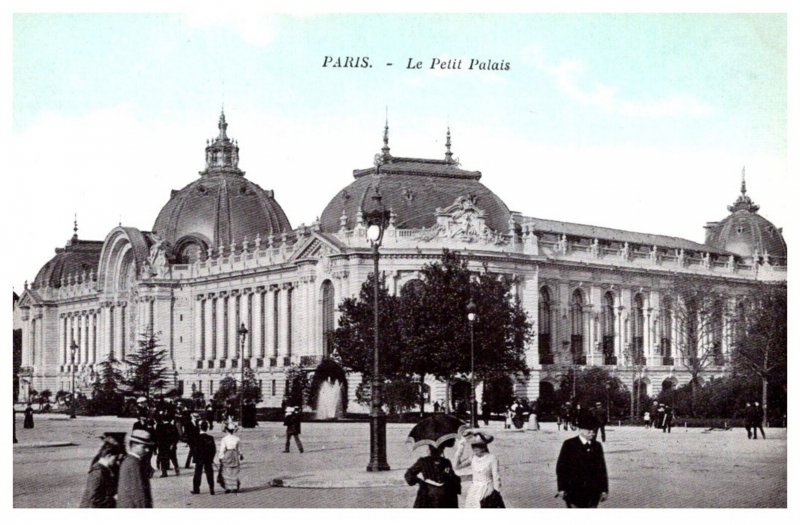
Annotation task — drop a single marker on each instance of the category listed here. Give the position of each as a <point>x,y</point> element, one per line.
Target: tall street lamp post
<point>376,219</point>
<point>242,335</point>
<point>473,403</point>
<point>608,397</point>
<point>73,348</point>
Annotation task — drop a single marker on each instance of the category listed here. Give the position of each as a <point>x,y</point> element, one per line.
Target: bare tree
<point>761,344</point>
<point>700,312</point>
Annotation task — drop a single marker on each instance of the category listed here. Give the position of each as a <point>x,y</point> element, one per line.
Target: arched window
<point>638,329</point>
<point>545,348</point>
<point>413,286</point>
<point>327,318</point>
<point>576,325</point>
<point>608,329</point>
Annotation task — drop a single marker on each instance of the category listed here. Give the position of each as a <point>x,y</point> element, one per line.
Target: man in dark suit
<point>204,451</point>
<point>758,418</point>
<point>135,472</point>
<point>190,432</point>
<point>581,468</point>
<point>292,423</point>
<point>599,414</point>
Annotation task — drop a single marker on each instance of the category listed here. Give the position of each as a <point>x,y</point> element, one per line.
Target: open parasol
<point>435,430</point>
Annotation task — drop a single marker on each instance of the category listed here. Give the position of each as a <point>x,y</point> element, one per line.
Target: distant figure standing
<point>647,422</point>
<point>748,419</point>
<point>167,444</point>
<point>204,451</point>
<point>485,412</point>
<point>28,421</point>
<point>229,459</point>
<point>135,472</point>
<point>209,415</point>
<point>101,484</point>
<point>758,418</point>
<point>601,417</point>
<point>660,415</point>
<point>654,415</point>
<point>439,486</point>
<point>437,407</point>
<point>669,416</point>
<point>292,423</point>
<point>191,430</point>
<point>581,468</point>
<point>535,415</point>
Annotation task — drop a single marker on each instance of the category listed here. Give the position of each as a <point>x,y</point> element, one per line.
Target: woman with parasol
<point>439,485</point>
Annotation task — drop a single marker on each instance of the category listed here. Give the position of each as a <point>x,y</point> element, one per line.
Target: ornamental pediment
<point>315,247</point>
<point>463,221</point>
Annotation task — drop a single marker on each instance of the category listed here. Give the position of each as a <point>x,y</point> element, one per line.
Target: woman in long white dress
<point>229,458</point>
<point>485,467</point>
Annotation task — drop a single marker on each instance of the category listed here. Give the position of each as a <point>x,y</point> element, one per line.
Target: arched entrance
<point>548,402</point>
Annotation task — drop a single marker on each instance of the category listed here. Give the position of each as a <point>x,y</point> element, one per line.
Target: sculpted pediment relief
<point>464,221</point>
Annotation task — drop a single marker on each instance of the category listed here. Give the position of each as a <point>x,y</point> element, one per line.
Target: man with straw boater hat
<point>581,467</point>
<point>135,472</point>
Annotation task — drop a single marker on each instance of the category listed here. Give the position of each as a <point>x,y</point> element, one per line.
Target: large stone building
<point>222,252</point>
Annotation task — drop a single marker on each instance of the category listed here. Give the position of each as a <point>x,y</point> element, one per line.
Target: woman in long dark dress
<point>28,421</point>
<point>439,485</point>
<point>101,484</point>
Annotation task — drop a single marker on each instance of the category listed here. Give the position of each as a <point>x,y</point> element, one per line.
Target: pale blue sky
<point>651,111</point>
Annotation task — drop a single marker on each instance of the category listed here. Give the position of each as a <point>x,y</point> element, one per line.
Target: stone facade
<point>595,295</point>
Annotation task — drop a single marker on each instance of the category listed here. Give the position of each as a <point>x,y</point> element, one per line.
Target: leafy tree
<point>699,312</point>
<point>498,392</point>
<point>354,341</point>
<point>44,397</point>
<point>146,371</point>
<point>106,390</point>
<point>595,384</point>
<point>437,331</point>
<point>760,349</point>
<point>297,391</point>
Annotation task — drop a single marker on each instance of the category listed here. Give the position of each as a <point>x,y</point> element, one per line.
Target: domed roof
<point>745,232</point>
<point>412,189</point>
<point>222,206</point>
<point>77,258</point>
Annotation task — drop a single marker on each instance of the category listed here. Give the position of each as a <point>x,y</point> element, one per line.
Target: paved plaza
<point>647,468</point>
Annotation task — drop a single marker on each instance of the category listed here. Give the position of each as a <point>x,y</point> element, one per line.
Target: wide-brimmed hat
<point>233,427</point>
<point>142,436</point>
<point>478,437</point>
<point>289,410</point>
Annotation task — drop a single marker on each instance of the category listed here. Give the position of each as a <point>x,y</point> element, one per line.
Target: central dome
<point>220,208</point>
<point>413,189</point>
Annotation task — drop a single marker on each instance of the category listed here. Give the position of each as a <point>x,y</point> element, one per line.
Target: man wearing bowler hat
<point>135,472</point>
<point>581,467</point>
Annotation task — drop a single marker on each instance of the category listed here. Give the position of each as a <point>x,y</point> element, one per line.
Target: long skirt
<point>229,468</point>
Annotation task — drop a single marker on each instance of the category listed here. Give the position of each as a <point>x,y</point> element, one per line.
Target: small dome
<point>412,189</point>
<point>220,208</point>
<point>77,258</point>
<point>745,232</point>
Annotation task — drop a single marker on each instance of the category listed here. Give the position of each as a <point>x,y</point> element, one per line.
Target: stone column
<point>244,318</point>
<point>198,328</point>
<point>256,335</point>
<point>275,318</point>
<point>222,305</point>
<point>92,337</point>
<point>209,328</point>
<point>286,309</point>
<point>83,346</point>
<point>233,324</point>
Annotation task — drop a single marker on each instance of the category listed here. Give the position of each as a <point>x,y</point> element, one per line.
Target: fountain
<point>329,400</point>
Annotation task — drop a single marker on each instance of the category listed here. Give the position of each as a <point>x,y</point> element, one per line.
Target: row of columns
<point>79,327</point>
<point>266,312</point>
<point>623,322</point>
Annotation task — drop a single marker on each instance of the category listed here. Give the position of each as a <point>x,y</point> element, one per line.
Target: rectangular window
<point>260,389</point>
<point>262,326</point>
<point>213,327</point>
<point>210,387</point>
<point>289,321</point>
<point>274,388</point>
<point>275,320</point>
<point>200,386</point>
<point>225,327</point>
<point>250,325</point>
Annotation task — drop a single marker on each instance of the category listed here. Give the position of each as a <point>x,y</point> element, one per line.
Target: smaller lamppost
<point>473,403</point>
<point>242,335</point>
<point>608,397</point>
<point>73,348</point>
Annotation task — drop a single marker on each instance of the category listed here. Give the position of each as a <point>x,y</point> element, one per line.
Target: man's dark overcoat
<point>581,472</point>
<point>134,484</point>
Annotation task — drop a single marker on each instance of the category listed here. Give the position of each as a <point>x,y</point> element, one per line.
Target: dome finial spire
<point>222,125</point>
<point>448,155</point>
<point>743,202</point>
<point>744,185</point>
<point>385,148</point>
